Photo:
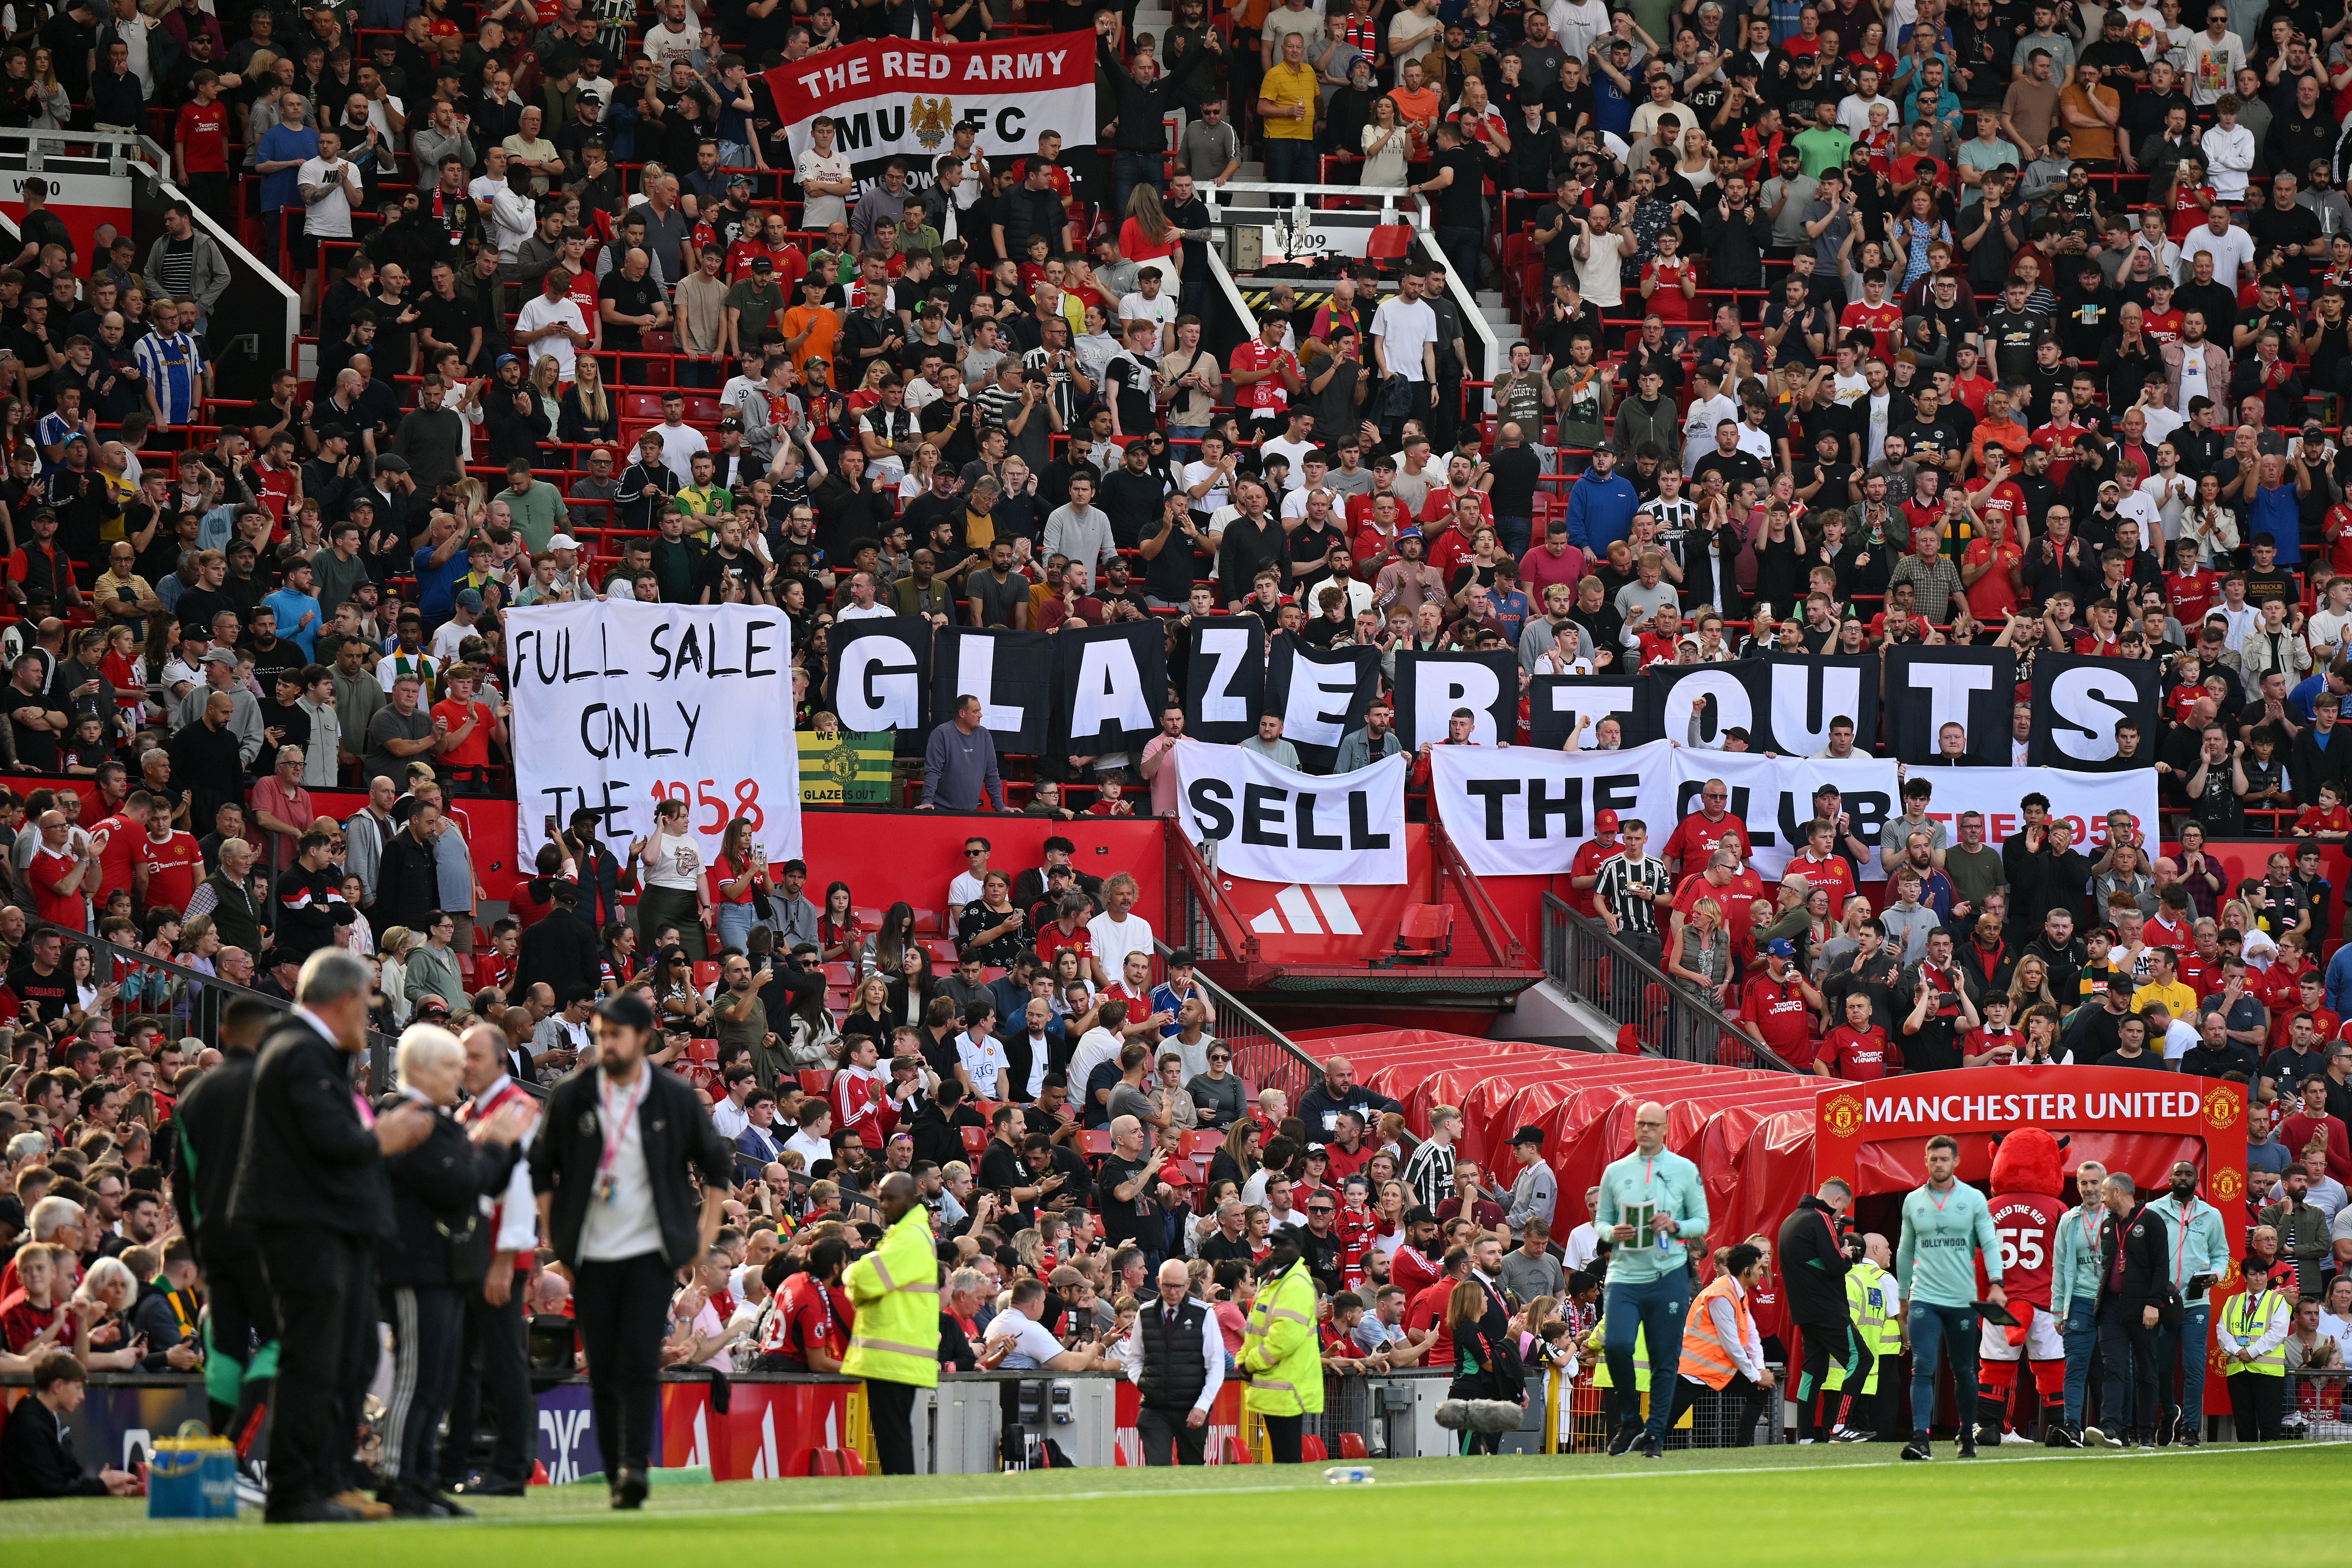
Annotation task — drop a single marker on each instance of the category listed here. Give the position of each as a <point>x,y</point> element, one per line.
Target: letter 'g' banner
<point>1270,824</point>
<point>903,97</point>
<point>620,706</point>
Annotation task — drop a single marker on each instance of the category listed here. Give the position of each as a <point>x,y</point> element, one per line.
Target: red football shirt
<point>1696,838</point>
<point>1858,1055</point>
<point>49,869</point>
<point>203,130</point>
<point>1777,1009</point>
<point>175,866</point>
<point>2027,1225</point>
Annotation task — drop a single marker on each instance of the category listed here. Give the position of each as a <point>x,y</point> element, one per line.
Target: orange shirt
<point>822,326</point>
<point>1992,597</point>
<point>2007,434</point>
<point>1419,110</point>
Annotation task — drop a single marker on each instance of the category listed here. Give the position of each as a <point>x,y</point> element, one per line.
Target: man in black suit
<point>437,1255</point>
<point>617,1157</point>
<point>2135,1276</point>
<point>34,1458</point>
<point>310,1185</point>
<point>207,1133</point>
<point>563,953</point>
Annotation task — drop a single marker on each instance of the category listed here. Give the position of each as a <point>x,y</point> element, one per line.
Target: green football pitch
<point>1841,1506</point>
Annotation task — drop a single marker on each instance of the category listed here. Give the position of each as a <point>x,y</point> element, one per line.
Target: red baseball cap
<point>1604,822</point>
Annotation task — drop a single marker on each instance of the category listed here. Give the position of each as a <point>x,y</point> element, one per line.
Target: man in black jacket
<point>2135,1276</point>
<point>619,1152</point>
<point>1181,1361</point>
<point>310,1185</point>
<point>561,952</point>
<point>207,1132</point>
<point>1812,1270</point>
<point>35,1459</point>
<point>407,878</point>
<point>310,904</point>
<point>438,1250</point>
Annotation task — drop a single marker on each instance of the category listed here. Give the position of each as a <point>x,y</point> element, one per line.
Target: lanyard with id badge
<point>616,1130</point>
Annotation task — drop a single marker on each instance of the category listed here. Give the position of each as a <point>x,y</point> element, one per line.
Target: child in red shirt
<point>2329,820</point>
<point>1107,802</point>
<point>1995,1044</point>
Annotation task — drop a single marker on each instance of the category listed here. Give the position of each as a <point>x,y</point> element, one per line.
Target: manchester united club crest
<point>2221,1108</point>
<point>932,119</point>
<point>1841,1114</point>
<point>2227,1186</point>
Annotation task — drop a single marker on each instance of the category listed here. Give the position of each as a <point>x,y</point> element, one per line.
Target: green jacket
<point>896,1290</point>
<point>1282,1352</point>
<point>1668,1181</point>
<point>1942,1234</point>
<point>2204,1250</point>
<point>2074,1269</point>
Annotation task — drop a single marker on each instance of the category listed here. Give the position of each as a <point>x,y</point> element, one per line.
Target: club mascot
<point>2028,1182</point>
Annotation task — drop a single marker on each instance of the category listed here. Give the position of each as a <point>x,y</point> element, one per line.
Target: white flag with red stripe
<point>903,97</point>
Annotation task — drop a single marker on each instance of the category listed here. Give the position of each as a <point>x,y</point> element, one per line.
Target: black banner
<point>1011,674</point>
<point>1321,696</point>
<point>1557,704</point>
<point>1805,695</point>
<point>1431,686</point>
<point>1927,688</point>
<point>881,669</point>
<point>1736,696</point>
<point>1109,684</point>
<point>2078,699</point>
<point>1224,678</point>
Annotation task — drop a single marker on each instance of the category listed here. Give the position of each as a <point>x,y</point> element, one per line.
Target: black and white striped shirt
<point>1618,877</point>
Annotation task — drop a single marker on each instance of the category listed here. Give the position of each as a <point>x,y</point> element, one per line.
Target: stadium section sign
<point>619,705</point>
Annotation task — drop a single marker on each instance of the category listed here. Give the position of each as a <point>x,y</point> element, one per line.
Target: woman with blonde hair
<point>547,380</point>
<point>2028,986</point>
<point>1701,958</point>
<point>392,949</point>
<point>588,412</point>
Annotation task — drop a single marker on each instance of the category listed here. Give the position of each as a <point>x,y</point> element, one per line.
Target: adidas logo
<point>1299,910</point>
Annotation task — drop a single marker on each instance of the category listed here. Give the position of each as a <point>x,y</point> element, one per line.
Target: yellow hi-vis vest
<point>1870,1300</point>
<point>2248,1317</point>
<point>1597,1339</point>
<point>896,1290</point>
<point>1281,1352</point>
<point>1706,1357</point>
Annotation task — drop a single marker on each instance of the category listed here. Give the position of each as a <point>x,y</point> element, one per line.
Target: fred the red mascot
<point>2028,1185</point>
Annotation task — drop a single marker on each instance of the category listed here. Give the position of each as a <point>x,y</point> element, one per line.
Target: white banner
<point>619,705</point>
<point>903,97</point>
<point>2081,799</point>
<point>1525,812</point>
<point>1519,811</point>
<point>1270,824</point>
<point>1773,797</point>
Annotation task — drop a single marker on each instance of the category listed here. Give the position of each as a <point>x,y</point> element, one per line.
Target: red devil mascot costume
<point>2028,1185</point>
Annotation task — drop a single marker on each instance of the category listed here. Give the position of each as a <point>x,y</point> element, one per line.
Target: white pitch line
<point>753,1511</point>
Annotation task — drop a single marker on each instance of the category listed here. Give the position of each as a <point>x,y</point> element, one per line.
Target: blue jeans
<point>2081,1335</point>
<point>1129,170</point>
<point>1515,532</point>
<point>1291,160</point>
<point>1654,1310</point>
<point>1935,1332</point>
<point>735,921</point>
<point>2184,1347</point>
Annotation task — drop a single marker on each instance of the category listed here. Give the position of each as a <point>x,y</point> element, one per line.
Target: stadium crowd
<point>1968,326</point>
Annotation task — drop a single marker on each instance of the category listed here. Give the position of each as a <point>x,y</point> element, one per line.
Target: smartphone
<point>550,820</point>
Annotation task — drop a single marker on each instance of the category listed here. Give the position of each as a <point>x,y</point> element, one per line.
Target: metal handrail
<point>1263,1054</point>
<point>1503,945</point>
<point>1198,911</point>
<point>119,959</point>
<point>1216,195</point>
<point>1605,973</point>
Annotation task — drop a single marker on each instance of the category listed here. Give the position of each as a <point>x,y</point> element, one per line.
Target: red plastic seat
<point>943,951</point>
<point>702,1052</point>
<point>1312,1449</point>
<point>926,923</point>
<point>834,1462</point>
<point>1231,1451</point>
<point>870,918</point>
<point>816,1081</point>
<point>976,1139</point>
<point>1390,242</point>
<point>1201,1142</point>
<point>1094,1141</point>
<point>1425,933</point>
<point>1351,1446</point>
<point>706,974</point>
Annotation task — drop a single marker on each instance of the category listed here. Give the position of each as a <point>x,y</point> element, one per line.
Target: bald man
<point>1176,1358</point>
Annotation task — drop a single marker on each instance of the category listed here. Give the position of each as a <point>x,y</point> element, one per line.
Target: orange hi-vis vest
<point>1705,1358</point>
